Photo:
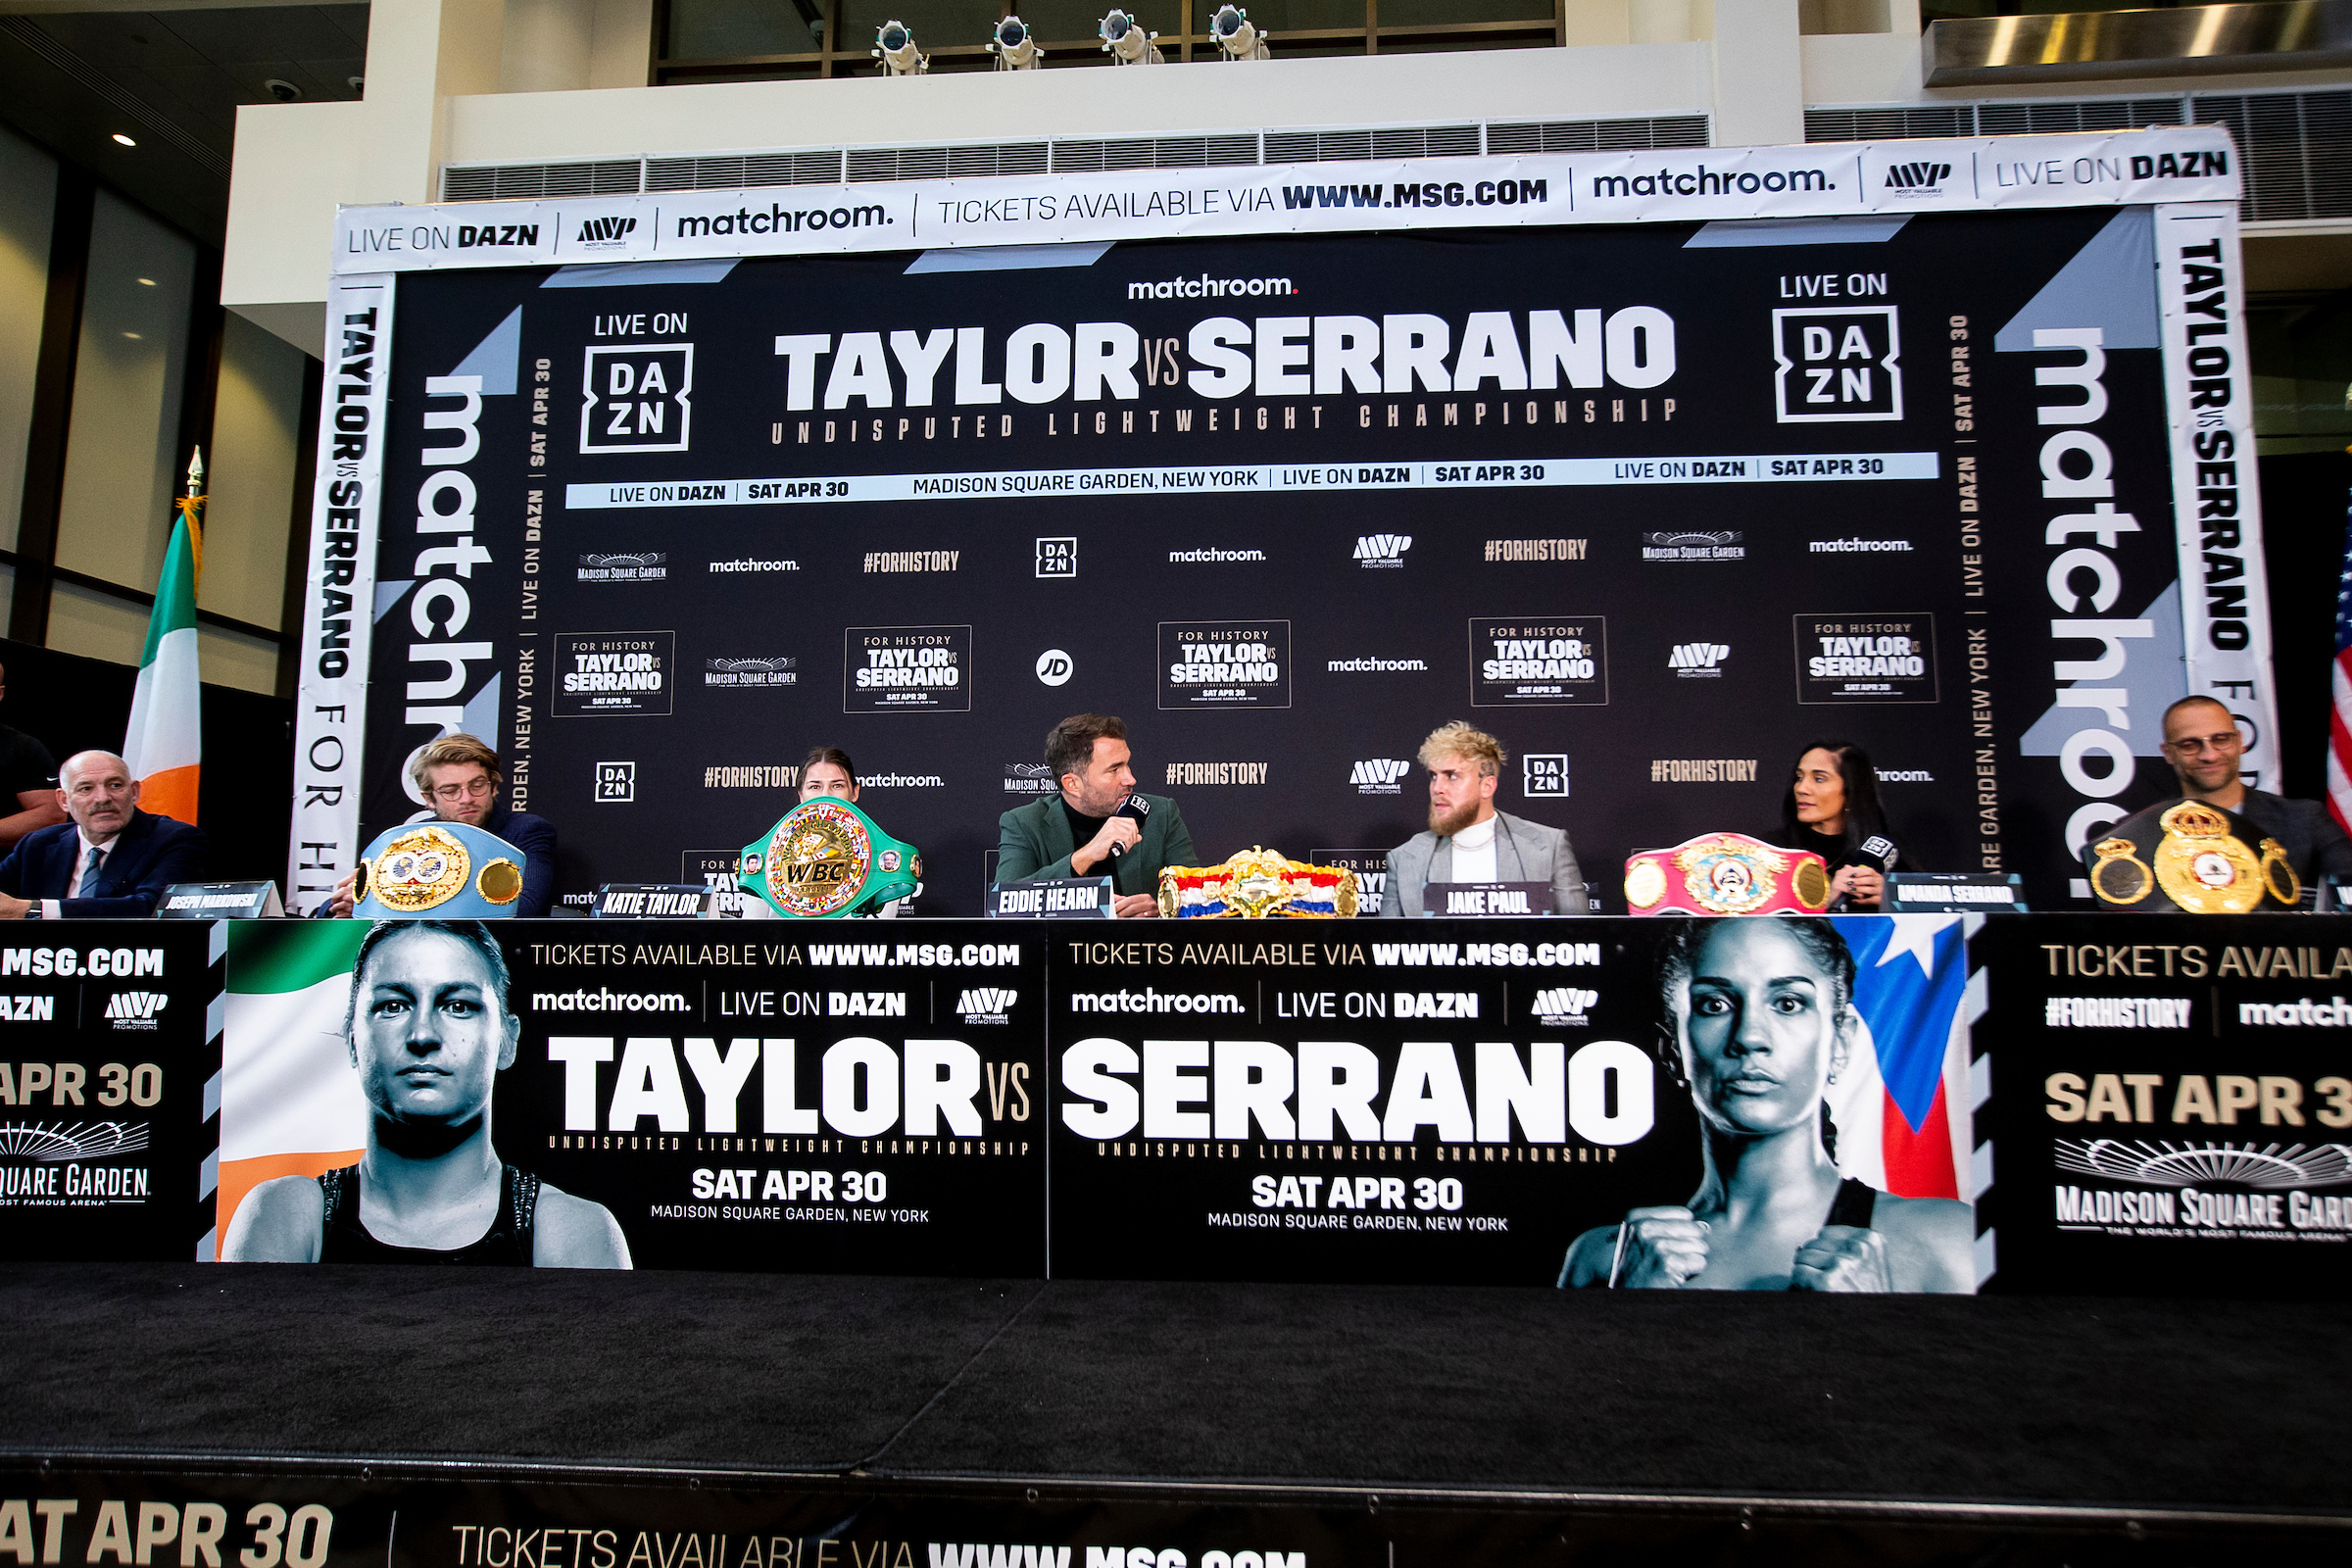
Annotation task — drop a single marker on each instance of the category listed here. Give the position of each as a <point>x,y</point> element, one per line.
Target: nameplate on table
<point>1954,892</point>
<point>651,900</point>
<point>1477,900</point>
<point>219,900</point>
<point>1069,898</point>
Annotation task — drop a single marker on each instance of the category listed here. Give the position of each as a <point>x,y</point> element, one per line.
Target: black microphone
<point>1134,810</point>
<point>1879,850</point>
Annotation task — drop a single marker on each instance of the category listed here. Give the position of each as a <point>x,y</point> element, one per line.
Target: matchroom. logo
<point>1383,548</point>
<point>1378,776</point>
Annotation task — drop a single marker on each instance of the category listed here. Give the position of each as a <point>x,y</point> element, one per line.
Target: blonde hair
<point>453,751</point>
<point>1458,739</point>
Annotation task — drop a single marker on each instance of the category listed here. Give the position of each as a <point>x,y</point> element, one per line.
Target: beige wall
<point>28,202</point>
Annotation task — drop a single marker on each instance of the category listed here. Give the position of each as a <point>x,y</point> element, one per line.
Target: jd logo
<point>636,398</point>
<point>1838,365</point>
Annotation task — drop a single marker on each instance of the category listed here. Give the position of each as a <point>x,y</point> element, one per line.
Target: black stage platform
<point>1579,1426</point>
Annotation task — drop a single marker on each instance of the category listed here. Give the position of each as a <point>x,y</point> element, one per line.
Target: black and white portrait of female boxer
<point>429,1030</point>
<point>1759,1021</point>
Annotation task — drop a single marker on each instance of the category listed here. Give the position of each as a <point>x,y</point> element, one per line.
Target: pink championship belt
<point>1726,873</point>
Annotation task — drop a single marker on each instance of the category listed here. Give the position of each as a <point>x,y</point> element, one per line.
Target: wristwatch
<point>32,908</point>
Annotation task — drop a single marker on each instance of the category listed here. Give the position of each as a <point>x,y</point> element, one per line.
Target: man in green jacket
<point>1075,835</point>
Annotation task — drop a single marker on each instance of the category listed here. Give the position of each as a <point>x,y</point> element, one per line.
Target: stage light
<point>1014,46</point>
<point>1127,43</point>
<point>1233,35</point>
<point>893,46</point>
<point>124,140</point>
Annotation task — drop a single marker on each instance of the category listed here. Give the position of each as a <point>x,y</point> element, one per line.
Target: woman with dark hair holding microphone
<point>1831,808</point>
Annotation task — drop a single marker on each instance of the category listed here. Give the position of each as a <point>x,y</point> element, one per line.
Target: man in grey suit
<point>1468,840</point>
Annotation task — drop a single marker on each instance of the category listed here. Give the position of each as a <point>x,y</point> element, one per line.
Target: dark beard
<point>1447,825</point>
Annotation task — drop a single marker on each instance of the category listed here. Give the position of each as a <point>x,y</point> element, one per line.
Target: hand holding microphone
<point>1133,811</point>
<point>1862,881</point>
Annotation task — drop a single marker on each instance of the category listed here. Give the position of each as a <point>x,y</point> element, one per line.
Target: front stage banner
<point>2182,1123</point>
<point>771,1104</point>
<point>1488,1101</point>
<point>110,1093</point>
<point>1661,502</point>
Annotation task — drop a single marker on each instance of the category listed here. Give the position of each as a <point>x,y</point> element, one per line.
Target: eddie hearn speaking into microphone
<point>1100,824</point>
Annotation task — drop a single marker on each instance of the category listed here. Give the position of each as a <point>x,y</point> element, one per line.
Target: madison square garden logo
<point>635,397</point>
<point>1836,365</point>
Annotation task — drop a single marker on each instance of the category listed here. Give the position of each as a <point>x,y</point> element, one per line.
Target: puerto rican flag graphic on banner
<point>2340,682</point>
<point>1901,1105</point>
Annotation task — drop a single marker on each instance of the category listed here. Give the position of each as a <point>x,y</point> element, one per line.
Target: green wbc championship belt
<point>824,859</point>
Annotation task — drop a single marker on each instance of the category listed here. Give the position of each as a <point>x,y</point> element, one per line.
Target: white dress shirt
<point>81,865</point>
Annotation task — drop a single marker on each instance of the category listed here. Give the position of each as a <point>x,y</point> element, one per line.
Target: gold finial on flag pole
<point>191,506</point>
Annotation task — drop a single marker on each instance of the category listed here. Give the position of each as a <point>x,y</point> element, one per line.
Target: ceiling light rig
<point>1126,42</point>
<point>1015,46</point>
<point>1235,36</point>
<point>122,140</point>
<point>893,46</point>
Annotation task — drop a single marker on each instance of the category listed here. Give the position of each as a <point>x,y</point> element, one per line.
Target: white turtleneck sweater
<point>1474,851</point>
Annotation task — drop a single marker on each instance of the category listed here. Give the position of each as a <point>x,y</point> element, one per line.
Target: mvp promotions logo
<point>136,1010</point>
<point>1836,365</point>
<point>1382,775</point>
<point>987,1004</point>
<point>1383,548</point>
<point>1563,1006</point>
<point>635,397</point>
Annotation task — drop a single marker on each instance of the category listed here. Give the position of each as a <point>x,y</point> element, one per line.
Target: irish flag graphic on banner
<point>290,1101</point>
<point>163,745</point>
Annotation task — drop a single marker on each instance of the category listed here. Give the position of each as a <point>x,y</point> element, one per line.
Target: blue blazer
<point>148,857</point>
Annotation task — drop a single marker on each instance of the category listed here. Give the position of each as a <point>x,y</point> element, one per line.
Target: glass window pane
<point>1432,13</point>
<point>28,200</point>
<point>121,468</point>
<point>256,417</point>
<point>707,30</point>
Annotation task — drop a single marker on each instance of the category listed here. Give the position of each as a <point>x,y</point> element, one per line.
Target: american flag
<point>2339,718</point>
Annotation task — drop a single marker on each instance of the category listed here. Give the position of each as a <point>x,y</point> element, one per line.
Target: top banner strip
<point>1823,180</point>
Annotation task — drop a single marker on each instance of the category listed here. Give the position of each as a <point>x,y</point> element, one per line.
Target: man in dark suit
<point>112,860</point>
<point>1072,835</point>
<point>459,776</point>
<point>2203,743</point>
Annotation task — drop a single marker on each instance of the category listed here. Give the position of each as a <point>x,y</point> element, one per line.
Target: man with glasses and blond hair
<point>459,777</point>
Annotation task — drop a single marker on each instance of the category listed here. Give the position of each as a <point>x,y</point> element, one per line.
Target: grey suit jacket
<point>1524,852</point>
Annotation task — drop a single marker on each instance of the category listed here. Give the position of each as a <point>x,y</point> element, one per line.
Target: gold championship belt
<point>1726,873</point>
<point>824,858</point>
<point>2201,863</point>
<point>447,870</point>
<point>1258,884</point>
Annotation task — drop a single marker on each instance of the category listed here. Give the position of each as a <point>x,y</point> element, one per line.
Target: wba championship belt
<point>1726,873</point>
<point>1258,884</point>
<point>445,869</point>
<point>824,859</point>
<point>2202,865</point>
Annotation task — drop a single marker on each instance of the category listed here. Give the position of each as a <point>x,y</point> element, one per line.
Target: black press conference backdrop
<point>1654,508</point>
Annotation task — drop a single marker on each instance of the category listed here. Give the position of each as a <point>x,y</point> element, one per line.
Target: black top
<point>508,1241</point>
<point>1083,829</point>
<point>1830,847</point>
<point>1853,1204</point>
<point>25,765</point>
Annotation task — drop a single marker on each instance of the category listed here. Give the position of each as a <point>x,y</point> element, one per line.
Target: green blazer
<point>1035,841</point>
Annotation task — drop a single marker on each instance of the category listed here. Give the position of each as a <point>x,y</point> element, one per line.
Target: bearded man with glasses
<point>459,777</point>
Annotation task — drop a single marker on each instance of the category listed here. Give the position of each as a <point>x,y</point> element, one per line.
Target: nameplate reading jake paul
<point>1482,900</point>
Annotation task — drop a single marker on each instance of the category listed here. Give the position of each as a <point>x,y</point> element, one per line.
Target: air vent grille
<point>1156,152</point>
<point>2034,117</point>
<point>1597,135</point>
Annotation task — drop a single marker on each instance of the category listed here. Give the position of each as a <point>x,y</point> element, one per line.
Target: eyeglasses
<point>479,789</point>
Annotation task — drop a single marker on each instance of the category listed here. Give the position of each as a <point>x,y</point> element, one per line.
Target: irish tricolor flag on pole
<point>164,747</point>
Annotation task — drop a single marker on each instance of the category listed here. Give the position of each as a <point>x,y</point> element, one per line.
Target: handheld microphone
<point>1880,851</point>
<point>1134,810</point>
